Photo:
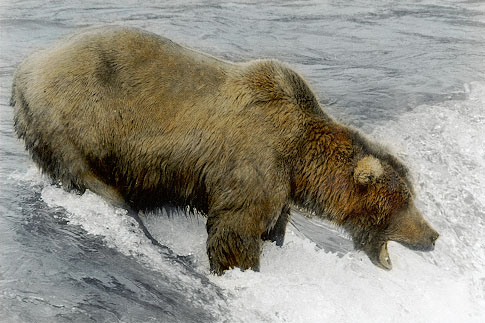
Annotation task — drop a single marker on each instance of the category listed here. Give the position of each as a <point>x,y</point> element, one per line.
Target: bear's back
<point>109,64</point>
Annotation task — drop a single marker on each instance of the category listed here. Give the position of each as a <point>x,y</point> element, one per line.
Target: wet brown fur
<point>145,123</point>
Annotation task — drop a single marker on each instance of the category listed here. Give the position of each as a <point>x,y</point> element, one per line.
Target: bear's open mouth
<point>383,259</point>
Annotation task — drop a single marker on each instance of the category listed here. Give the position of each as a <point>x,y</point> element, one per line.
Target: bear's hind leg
<point>94,184</point>
<point>277,232</point>
<point>111,195</point>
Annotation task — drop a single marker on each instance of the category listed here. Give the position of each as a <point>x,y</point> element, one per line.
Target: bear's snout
<point>428,242</point>
<point>432,240</point>
<point>434,237</point>
<point>413,231</point>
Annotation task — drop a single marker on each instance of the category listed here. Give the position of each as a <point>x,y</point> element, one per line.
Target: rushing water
<point>409,73</point>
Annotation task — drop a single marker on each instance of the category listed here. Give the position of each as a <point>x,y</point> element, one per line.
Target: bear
<point>147,123</point>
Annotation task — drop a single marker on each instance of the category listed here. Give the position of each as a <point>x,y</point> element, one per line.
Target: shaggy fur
<point>146,123</point>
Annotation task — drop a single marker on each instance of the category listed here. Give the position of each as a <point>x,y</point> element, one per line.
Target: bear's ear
<point>367,170</point>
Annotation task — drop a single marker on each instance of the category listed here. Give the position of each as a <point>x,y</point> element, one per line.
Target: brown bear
<point>147,123</point>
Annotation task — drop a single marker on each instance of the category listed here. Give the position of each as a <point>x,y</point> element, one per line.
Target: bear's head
<point>384,210</point>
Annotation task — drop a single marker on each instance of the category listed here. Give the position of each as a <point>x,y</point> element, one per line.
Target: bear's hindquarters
<point>277,232</point>
<point>49,145</point>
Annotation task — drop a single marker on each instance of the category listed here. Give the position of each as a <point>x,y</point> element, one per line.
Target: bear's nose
<point>434,237</point>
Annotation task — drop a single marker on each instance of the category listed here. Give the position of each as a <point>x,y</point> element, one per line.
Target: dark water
<point>377,65</point>
<point>55,272</point>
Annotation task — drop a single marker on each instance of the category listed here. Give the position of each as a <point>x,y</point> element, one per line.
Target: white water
<point>444,146</point>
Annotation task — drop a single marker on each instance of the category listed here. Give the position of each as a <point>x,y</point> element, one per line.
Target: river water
<point>410,74</point>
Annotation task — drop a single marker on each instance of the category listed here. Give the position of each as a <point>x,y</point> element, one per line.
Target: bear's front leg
<point>233,241</point>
